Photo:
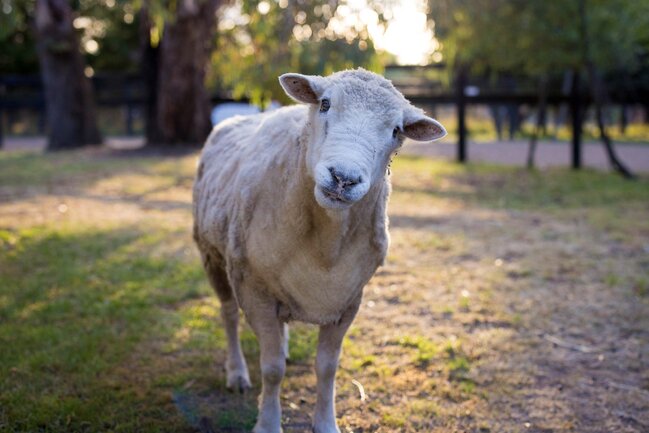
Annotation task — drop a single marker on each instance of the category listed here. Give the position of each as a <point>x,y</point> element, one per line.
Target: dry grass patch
<point>510,301</point>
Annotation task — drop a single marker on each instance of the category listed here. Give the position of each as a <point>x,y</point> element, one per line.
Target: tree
<point>69,97</point>
<point>41,32</point>
<point>17,45</point>
<point>541,38</point>
<point>178,38</point>
<point>258,41</point>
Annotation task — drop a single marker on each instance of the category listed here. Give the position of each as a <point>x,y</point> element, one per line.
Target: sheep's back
<point>241,157</point>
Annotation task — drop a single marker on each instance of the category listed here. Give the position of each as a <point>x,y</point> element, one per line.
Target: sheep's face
<point>357,122</point>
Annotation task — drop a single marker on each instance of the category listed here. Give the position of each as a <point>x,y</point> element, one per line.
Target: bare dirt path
<point>537,331</point>
<point>501,320</point>
<point>549,153</point>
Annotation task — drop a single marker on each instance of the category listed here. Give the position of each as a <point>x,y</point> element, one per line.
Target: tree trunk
<point>562,109</point>
<point>624,118</point>
<point>183,108</point>
<point>69,98</point>
<point>540,120</point>
<point>149,70</point>
<point>597,92</point>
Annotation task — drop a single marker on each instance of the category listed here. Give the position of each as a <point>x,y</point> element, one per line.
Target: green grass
<point>75,305</point>
<point>517,188</point>
<point>426,349</point>
<point>605,200</point>
<point>481,129</point>
<point>107,322</point>
<point>30,169</point>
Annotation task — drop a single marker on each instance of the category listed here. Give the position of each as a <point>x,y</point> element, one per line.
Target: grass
<point>517,188</point>
<point>481,129</point>
<point>108,324</point>
<point>426,349</point>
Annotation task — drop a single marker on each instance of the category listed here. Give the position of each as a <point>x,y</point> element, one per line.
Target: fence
<point>19,92</point>
<point>465,95</point>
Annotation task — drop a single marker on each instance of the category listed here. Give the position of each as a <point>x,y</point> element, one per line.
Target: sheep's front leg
<point>329,343</point>
<point>270,334</point>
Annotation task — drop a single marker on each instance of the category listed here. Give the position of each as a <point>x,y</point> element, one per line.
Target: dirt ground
<point>514,153</point>
<point>548,153</point>
<point>495,312</point>
<point>535,304</point>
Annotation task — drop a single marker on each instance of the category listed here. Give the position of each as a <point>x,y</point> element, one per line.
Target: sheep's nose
<point>344,180</point>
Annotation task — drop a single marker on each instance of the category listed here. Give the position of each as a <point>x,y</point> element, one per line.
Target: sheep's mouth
<point>331,195</point>
<point>331,200</point>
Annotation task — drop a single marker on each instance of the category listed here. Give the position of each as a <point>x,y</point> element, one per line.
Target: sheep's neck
<point>331,230</point>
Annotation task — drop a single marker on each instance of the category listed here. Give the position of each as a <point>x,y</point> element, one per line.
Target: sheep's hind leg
<point>261,313</point>
<point>285,338</point>
<point>238,378</point>
<point>329,342</point>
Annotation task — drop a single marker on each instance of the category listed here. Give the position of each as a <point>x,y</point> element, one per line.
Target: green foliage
<point>107,33</point>
<point>17,46</point>
<point>258,41</point>
<point>113,24</point>
<point>538,36</point>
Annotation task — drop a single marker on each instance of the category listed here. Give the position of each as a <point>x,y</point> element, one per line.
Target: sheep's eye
<point>395,132</point>
<point>324,105</point>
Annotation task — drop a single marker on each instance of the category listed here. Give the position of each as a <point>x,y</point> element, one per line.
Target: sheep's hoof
<point>238,382</point>
<point>325,429</point>
<point>261,429</point>
<point>269,431</point>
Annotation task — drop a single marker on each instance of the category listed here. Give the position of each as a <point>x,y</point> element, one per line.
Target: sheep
<point>290,220</point>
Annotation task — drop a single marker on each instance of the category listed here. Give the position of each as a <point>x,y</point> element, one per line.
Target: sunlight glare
<point>263,7</point>
<point>406,33</point>
<point>407,36</point>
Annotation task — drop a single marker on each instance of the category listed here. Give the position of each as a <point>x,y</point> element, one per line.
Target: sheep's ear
<point>302,88</point>
<point>420,127</point>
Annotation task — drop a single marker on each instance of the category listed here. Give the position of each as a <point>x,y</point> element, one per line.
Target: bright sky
<point>407,35</point>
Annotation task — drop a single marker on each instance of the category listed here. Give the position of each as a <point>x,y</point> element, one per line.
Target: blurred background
<point>515,295</point>
<point>535,79</point>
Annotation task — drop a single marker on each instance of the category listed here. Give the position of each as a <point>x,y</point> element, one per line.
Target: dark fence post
<point>461,114</point>
<point>129,107</point>
<point>41,119</point>
<point>2,117</point>
<point>575,109</point>
<point>2,92</point>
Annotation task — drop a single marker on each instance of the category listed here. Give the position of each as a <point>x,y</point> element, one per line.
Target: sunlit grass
<point>107,322</point>
<point>481,128</point>
<point>511,187</point>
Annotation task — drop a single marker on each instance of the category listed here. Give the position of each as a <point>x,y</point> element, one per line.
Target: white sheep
<point>290,220</point>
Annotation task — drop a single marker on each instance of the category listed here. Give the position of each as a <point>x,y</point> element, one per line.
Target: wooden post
<point>624,119</point>
<point>2,93</point>
<point>461,115</point>
<point>575,110</point>
<point>1,123</point>
<point>129,108</point>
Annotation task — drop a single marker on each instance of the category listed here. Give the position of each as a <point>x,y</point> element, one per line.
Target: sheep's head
<point>357,121</point>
